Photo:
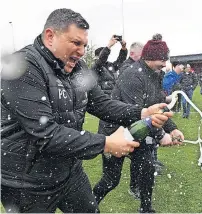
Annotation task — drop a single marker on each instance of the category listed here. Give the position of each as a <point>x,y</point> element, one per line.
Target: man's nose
<point>81,51</point>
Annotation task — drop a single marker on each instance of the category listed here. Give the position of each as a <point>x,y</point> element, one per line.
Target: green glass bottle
<point>139,130</point>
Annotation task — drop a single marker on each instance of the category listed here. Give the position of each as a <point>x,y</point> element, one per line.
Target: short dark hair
<point>177,63</point>
<point>98,50</point>
<point>61,19</point>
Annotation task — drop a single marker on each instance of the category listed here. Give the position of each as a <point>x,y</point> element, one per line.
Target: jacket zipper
<point>74,100</point>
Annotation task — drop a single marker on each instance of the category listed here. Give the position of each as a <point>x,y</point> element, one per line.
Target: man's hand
<point>123,44</point>
<point>112,41</point>
<point>158,118</point>
<point>117,145</point>
<point>166,140</point>
<point>177,136</point>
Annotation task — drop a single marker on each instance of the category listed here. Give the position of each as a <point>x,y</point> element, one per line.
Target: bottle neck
<point>148,122</point>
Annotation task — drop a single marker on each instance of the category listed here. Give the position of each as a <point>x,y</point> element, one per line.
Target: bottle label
<point>128,135</point>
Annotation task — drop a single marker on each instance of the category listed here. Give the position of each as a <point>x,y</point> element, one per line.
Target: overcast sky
<point>179,21</point>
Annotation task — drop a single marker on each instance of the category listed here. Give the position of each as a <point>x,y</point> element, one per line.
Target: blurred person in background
<point>107,71</point>
<point>188,84</point>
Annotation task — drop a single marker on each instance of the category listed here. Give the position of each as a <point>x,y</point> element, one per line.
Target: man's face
<point>136,54</point>
<point>180,68</point>
<point>69,46</point>
<point>188,69</point>
<point>157,65</point>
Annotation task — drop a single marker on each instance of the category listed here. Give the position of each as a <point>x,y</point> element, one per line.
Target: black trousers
<point>134,173</point>
<point>74,197</point>
<point>142,162</point>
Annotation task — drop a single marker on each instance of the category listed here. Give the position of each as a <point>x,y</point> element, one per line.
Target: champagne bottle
<point>139,130</point>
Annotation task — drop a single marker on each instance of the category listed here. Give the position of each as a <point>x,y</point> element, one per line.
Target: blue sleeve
<point>167,83</point>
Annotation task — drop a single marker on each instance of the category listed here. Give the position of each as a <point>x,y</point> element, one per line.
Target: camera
<point>118,38</point>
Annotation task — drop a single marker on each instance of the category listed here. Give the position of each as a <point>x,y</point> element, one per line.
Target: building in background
<point>194,60</point>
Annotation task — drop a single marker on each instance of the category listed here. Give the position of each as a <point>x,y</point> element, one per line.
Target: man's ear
<point>48,36</point>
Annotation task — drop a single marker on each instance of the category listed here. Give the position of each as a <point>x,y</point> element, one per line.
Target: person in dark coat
<point>188,84</point>
<point>134,55</point>
<point>107,71</point>
<point>139,85</point>
<point>43,110</point>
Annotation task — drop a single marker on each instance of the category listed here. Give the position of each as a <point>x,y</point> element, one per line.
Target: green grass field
<point>180,193</point>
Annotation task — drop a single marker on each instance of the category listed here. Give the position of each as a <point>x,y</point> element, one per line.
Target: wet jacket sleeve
<point>103,57</point>
<point>169,126</point>
<point>168,81</point>
<point>24,98</point>
<point>125,65</point>
<point>113,111</point>
<point>121,58</point>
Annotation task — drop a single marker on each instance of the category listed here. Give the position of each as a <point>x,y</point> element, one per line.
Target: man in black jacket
<point>139,85</point>
<point>41,122</point>
<point>188,84</point>
<point>104,74</point>
<point>134,55</point>
<point>107,71</point>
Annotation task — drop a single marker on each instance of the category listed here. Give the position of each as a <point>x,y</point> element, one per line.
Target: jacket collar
<point>147,69</point>
<point>130,59</point>
<point>54,62</point>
